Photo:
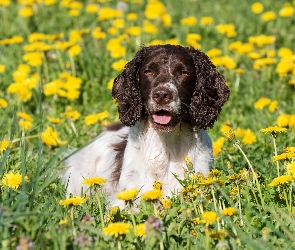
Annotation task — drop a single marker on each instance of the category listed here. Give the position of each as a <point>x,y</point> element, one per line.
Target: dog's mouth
<point>162,117</point>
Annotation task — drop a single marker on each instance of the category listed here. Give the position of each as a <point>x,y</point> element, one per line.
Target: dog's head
<point>168,85</point>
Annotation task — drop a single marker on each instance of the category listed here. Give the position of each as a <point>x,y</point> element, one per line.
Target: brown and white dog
<point>167,97</point>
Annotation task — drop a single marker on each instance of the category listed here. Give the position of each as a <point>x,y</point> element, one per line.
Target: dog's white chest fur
<point>149,156</point>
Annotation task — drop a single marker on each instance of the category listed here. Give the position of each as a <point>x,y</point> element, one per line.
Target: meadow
<point>58,60</point>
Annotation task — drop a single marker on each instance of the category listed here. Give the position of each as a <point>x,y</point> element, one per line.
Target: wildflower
<point>94,181</point>
<point>268,16</point>
<point>4,145</point>
<point>291,168</point>
<point>273,130</point>
<point>272,106</point>
<point>257,8</point>
<point>116,229</point>
<point>149,28</point>
<point>286,11</point>
<point>131,16</point>
<point>228,211</point>
<point>75,50</point>
<point>249,137</point>
<point>25,125</point>
<point>157,185</point>
<point>140,230</point>
<point>119,65</point>
<point>226,29</point>
<point>13,180</point>
<point>91,8</point>
<point>217,146</point>
<point>25,12</point>
<point>209,217</point>
<point>74,201</point>
<point>33,58</point>
<point>154,10</point>
<point>2,68</point>
<point>63,222</point>
<point>70,113</point>
<point>230,135</point>
<point>213,52</point>
<point>166,203</point>
<point>261,103</point>
<point>133,31</point>
<point>50,137</point>
<point>127,195</point>
<point>281,180</point>
<point>5,3</point>
<point>284,156</point>
<point>206,20</point>
<point>152,194</point>
<point>3,103</point>
<point>54,120</point>
<point>189,21</point>
<point>219,234</point>
<point>24,116</point>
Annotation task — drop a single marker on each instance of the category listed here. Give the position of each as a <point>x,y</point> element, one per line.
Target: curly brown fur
<point>205,101</point>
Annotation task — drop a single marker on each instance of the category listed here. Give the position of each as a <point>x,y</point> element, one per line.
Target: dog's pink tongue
<point>162,117</point>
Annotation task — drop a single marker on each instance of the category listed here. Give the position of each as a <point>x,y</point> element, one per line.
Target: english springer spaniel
<point>167,97</point>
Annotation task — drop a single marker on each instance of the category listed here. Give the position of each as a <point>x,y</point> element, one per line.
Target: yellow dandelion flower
<point>25,125</point>
<point>73,201</point>
<point>209,217</point>
<point>283,120</point>
<point>94,181</point>
<point>25,12</point>
<point>70,113</point>
<point>189,21</point>
<point>206,20</point>
<point>92,8</point>
<point>25,116</point>
<point>249,137</point>
<point>273,106</point>
<point>227,29</point>
<point>110,84</point>
<point>75,50</point>
<point>63,222</point>
<point>54,120</point>
<point>273,129</point>
<point>219,234</point>
<point>13,180</point>
<point>119,65</point>
<point>284,156</point>
<point>131,16</point>
<point>152,195</point>
<point>4,145</point>
<point>157,185</point>
<point>50,137</point>
<point>217,146</point>
<point>116,229</point>
<point>5,3</point>
<point>257,8</point>
<point>281,180</point>
<point>133,31</point>
<point>228,211</point>
<point>268,16</point>
<point>291,168</point>
<point>127,195</point>
<point>140,230</point>
<point>287,11</point>
<point>214,52</point>
<point>2,68</point>
<point>262,103</point>
<point>3,103</point>
<point>166,203</point>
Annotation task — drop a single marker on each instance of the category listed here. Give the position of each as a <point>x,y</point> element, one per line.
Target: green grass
<point>30,214</point>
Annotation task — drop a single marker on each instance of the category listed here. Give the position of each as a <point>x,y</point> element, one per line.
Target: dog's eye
<point>184,73</point>
<point>148,72</point>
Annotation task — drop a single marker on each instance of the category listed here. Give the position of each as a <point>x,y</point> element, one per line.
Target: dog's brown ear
<point>210,91</point>
<point>126,91</point>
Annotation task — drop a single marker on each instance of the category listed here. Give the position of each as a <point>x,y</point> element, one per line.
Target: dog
<point>167,97</point>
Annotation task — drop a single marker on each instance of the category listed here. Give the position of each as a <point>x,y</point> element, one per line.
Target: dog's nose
<point>162,95</point>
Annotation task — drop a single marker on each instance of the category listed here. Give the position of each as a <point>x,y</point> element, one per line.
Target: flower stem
<point>276,153</point>
<point>72,218</point>
<point>100,207</point>
<point>236,144</point>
